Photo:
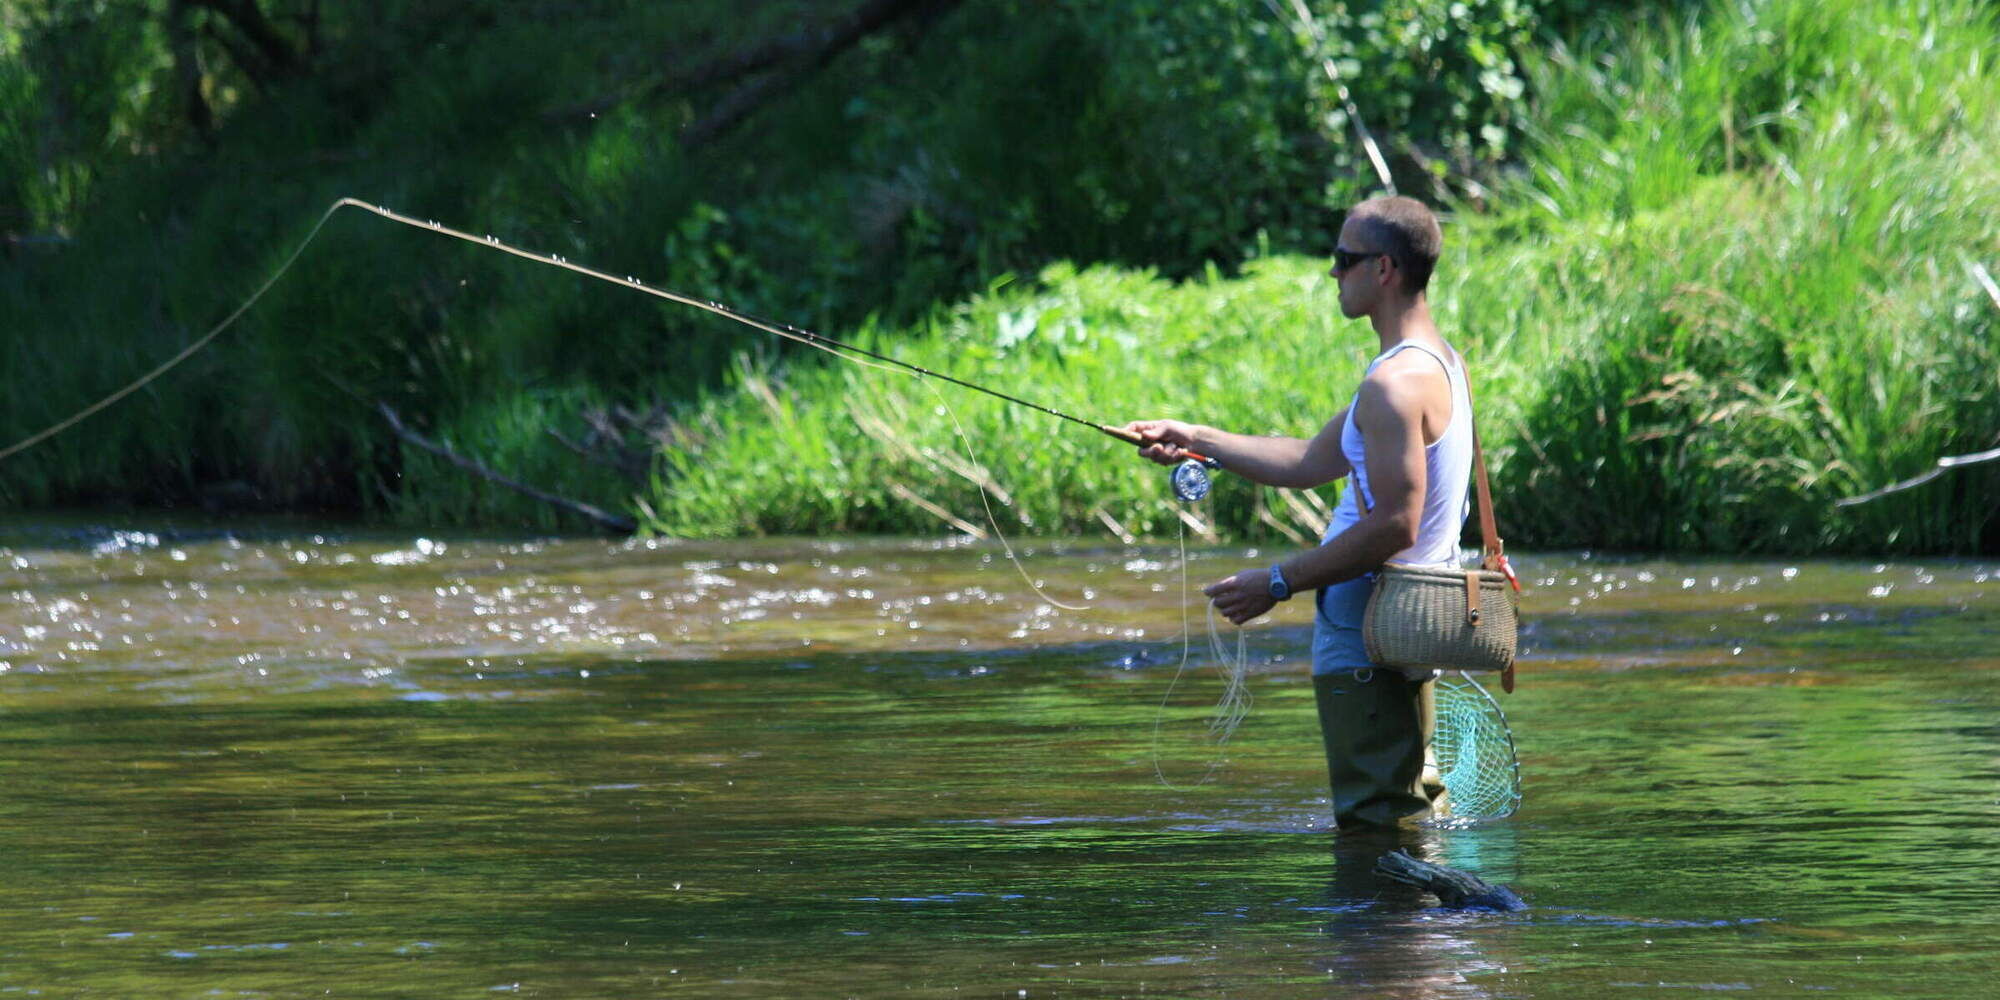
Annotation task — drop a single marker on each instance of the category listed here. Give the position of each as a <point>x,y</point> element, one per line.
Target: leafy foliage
<point>998,138</point>
<point>1712,342</point>
<point>1699,351</point>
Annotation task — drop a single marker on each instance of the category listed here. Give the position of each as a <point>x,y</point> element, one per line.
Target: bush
<point>1699,351</point>
<point>998,138</point>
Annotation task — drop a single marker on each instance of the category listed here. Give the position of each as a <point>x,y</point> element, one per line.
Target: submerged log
<point>1455,889</point>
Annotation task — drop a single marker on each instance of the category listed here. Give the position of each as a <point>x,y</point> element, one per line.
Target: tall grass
<point>824,447</point>
<point>999,137</point>
<point>1728,285</point>
<point>1731,287</point>
<point>1783,312</point>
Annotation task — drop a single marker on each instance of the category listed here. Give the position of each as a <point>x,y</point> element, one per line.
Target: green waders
<point>1378,742</point>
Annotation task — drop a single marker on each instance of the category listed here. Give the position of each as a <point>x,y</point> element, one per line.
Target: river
<point>289,760</point>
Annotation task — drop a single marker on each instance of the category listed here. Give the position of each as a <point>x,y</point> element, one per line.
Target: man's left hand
<point>1243,596</point>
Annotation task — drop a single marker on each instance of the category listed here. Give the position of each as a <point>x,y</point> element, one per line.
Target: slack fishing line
<point>1234,666</point>
<point>1190,480</point>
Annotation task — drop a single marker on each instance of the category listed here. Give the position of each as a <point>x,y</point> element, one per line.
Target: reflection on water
<point>270,762</point>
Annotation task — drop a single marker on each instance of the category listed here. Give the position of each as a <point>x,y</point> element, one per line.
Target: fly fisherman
<point>1405,442</point>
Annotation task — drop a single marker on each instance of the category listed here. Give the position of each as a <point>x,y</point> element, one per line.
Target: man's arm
<point>1389,412</point>
<point>1391,419</point>
<point>1295,463</point>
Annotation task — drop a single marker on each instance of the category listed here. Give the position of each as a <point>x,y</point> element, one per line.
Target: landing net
<point>1475,750</point>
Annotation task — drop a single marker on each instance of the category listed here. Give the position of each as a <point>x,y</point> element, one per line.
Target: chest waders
<point>1377,726</point>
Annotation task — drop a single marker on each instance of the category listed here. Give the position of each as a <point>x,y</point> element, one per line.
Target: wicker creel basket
<point>1422,617</point>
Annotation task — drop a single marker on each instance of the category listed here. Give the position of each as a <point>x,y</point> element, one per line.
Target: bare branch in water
<point>613,521</point>
<point>1458,890</point>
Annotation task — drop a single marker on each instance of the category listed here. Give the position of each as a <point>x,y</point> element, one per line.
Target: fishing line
<point>837,348</point>
<point>966,443</point>
<point>1186,644</point>
<point>185,353</point>
<point>1234,705</point>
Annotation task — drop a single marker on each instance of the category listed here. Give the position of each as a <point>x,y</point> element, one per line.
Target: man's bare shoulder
<point>1404,384</point>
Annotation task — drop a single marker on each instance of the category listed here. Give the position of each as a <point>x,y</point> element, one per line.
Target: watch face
<point>1190,481</point>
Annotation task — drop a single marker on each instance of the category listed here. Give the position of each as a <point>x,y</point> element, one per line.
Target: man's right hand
<point>1164,441</point>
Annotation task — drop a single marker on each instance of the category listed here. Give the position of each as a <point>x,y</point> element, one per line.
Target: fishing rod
<point>1194,481</point>
<point>1190,479</point>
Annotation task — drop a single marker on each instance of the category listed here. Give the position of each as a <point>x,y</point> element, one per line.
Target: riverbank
<point>1733,274</point>
<point>1741,279</point>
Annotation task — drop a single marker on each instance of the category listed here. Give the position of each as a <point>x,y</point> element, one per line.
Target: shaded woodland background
<point>1718,264</point>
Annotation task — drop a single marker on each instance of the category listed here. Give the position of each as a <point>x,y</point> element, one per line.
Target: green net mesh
<point>1475,750</point>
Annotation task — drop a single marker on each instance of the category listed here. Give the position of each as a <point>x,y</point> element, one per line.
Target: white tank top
<point>1447,473</point>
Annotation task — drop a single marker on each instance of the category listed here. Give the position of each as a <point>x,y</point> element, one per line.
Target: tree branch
<point>1986,283</point>
<point>261,75</point>
<point>807,53</point>
<point>623,463</point>
<point>786,58</point>
<point>613,521</point>
<point>725,69</point>
<point>1458,890</point>
<point>187,70</point>
<point>279,57</point>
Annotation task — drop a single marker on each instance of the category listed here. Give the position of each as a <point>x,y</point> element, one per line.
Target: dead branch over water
<point>613,521</point>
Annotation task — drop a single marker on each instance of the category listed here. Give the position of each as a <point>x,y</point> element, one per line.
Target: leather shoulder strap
<point>1492,549</point>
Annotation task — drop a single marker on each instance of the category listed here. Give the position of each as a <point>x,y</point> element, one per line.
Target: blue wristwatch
<point>1280,590</point>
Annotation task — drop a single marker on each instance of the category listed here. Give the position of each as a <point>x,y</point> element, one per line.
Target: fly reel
<point>1190,480</point>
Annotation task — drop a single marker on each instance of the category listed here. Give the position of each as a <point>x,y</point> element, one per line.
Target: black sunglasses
<point>1344,259</point>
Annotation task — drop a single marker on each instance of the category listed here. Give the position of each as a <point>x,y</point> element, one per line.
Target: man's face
<point>1361,285</point>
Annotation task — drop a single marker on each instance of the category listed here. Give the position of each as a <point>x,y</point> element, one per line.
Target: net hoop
<point>1475,750</point>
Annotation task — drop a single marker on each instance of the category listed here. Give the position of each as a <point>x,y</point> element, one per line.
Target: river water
<point>286,761</point>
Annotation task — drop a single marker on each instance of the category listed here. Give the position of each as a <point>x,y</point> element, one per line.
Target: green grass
<point>1732,288</point>
<point>1001,137</point>
<point>1763,339</point>
<point>1723,282</point>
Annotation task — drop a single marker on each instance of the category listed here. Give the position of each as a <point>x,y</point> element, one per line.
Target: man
<point>1405,442</point>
